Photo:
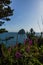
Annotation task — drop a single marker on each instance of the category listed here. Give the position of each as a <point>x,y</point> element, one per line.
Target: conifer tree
<point>5,11</point>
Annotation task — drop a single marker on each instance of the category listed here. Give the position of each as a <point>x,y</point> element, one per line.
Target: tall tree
<point>5,11</point>
<point>32,33</point>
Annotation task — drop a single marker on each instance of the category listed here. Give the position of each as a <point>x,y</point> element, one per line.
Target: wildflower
<point>26,41</point>
<point>28,49</point>
<point>18,54</point>
<point>30,42</point>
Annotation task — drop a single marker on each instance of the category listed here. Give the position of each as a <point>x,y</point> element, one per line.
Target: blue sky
<point>27,14</point>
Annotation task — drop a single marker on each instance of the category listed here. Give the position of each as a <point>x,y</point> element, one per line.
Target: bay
<point>17,38</point>
<point>12,41</point>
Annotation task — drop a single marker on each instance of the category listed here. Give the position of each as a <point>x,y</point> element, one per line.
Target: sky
<point>27,14</point>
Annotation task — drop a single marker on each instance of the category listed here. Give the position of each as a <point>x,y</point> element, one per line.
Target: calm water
<point>20,38</point>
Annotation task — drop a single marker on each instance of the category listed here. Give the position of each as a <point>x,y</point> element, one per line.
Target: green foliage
<point>31,33</point>
<point>33,57</point>
<point>5,13</point>
<point>23,54</point>
<point>3,30</point>
<point>5,10</point>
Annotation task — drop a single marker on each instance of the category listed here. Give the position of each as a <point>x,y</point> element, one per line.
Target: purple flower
<point>18,54</point>
<point>30,42</point>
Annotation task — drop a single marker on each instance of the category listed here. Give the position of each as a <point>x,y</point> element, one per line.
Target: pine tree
<point>5,11</point>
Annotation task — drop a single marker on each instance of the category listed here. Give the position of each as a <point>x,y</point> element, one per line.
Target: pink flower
<point>18,54</point>
<point>30,42</point>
